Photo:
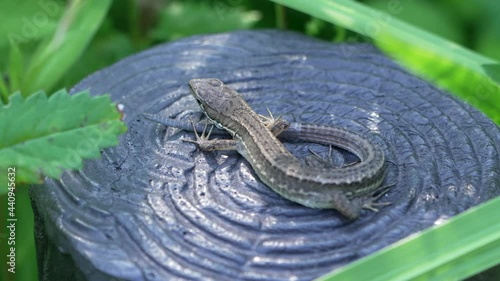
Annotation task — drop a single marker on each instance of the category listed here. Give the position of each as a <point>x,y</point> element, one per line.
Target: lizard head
<point>217,100</point>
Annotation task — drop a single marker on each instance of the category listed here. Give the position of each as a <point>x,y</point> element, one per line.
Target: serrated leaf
<point>42,136</point>
<point>459,248</point>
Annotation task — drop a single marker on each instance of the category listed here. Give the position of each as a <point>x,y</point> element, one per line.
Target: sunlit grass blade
<point>469,243</point>
<point>465,245</point>
<point>469,75</point>
<point>56,56</point>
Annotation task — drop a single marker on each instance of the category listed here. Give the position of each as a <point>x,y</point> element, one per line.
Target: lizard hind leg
<point>351,209</point>
<point>370,204</point>
<point>275,125</point>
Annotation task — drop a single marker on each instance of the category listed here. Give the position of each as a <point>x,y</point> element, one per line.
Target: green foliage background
<point>51,44</point>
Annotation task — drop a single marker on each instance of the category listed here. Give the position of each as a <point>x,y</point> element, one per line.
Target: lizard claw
<point>372,205</point>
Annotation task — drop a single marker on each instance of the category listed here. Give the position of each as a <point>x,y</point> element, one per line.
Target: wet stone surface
<point>156,208</point>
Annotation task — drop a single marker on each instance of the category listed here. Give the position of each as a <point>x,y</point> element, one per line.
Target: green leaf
<point>462,72</point>
<point>493,71</point>
<point>57,55</point>
<point>26,264</point>
<point>434,17</point>
<point>42,136</point>
<point>470,242</point>
<point>455,250</point>
<point>451,66</point>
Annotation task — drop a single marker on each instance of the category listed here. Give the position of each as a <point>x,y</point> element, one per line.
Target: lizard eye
<point>215,82</point>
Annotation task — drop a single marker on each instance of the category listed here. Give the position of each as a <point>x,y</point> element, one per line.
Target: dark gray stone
<point>155,208</point>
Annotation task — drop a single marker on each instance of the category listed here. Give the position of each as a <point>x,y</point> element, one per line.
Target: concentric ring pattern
<point>156,208</point>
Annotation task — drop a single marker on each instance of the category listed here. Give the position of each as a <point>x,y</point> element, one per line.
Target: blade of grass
<point>463,246</point>
<point>57,55</point>
<point>280,12</point>
<point>15,68</point>
<point>463,72</point>
<point>4,91</point>
<point>455,252</point>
